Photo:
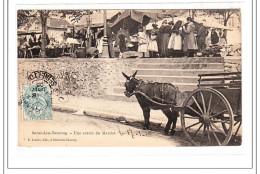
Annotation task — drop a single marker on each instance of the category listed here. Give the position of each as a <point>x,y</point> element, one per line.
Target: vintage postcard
<point>168,77</point>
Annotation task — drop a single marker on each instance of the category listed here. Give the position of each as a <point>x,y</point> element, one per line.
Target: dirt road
<point>67,129</point>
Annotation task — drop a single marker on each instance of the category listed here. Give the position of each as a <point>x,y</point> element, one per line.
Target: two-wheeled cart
<point>211,114</point>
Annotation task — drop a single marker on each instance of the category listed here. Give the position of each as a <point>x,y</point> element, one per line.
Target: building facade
<point>55,28</point>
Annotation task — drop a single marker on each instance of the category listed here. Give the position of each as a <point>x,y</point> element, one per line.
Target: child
<point>152,44</point>
<point>142,41</point>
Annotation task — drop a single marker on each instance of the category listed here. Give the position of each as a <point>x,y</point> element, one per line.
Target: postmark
<point>37,102</point>
<point>42,76</point>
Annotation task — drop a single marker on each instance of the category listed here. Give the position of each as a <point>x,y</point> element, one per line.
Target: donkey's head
<point>130,84</point>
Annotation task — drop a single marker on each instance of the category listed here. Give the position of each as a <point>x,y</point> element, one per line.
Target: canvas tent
<point>27,32</point>
<point>130,19</point>
<point>97,20</point>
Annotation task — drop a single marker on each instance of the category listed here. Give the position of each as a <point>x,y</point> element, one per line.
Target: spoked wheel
<point>236,128</point>
<point>203,113</point>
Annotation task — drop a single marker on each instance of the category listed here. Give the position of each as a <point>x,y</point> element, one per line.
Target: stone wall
<point>88,77</point>
<point>232,64</point>
<point>79,77</point>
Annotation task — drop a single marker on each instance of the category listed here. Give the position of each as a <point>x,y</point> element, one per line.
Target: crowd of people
<point>177,40</point>
<point>169,40</point>
<point>31,42</point>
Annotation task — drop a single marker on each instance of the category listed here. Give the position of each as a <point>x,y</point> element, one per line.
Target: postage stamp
<point>37,102</point>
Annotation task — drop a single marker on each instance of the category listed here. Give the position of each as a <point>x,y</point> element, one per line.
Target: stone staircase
<point>181,72</point>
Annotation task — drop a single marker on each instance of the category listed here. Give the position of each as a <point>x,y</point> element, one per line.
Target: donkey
<point>161,92</point>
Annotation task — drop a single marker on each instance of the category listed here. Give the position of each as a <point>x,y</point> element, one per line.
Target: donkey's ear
<point>126,76</point>
<point>134,73</point>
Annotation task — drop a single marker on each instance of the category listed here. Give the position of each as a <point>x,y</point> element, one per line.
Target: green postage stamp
<point>36,102</point>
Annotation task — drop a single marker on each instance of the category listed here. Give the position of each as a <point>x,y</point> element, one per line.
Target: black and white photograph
<point>149,77</point>
<point>129,86</point>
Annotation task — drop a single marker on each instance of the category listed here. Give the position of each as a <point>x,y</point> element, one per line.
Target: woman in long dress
<point>100,44</point>
<point>222,40</point>
<point>171,40</point>
<point>177,48</point>
<point>99,41</point>
<point>190,43</point>
<point>121,39</point>
<point>164,31</point>
<point>208,39</point>
<point>175,42</point>
<point>214,37</point>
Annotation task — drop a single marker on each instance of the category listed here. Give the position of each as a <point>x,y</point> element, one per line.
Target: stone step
<point>181,86</point>
<point>184,60</point>
<point>122,83</point>
<point>177,72</point>
<point>169,79</point>
<point>180,66</point>
<point>120,97</point>
<point>182,72</point>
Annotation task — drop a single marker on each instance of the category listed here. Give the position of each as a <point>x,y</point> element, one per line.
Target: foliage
<point>224,13</point>
<point>24,17</point>
<point>193,13</point>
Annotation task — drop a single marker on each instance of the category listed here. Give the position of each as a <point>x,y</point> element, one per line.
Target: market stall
<point>126,27</point>
<point>28,43</point>
<point>71,45</point>
<point>215,37</point>
<point>131,19</point>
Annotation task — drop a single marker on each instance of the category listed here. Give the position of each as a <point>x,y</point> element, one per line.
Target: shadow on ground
<point>157,128</point>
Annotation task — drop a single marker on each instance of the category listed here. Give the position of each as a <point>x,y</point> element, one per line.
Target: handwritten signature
<point>133,134</point>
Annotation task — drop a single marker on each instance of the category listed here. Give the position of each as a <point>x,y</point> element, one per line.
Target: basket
<point>81,52</point>
<point>50,52</point>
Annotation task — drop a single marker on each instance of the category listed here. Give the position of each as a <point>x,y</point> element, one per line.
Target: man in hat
<point>110,40</point>
<point>201,37</point>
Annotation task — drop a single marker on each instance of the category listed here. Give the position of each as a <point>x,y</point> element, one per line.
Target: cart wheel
<point>203,113</point>
<point>236,128</point>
